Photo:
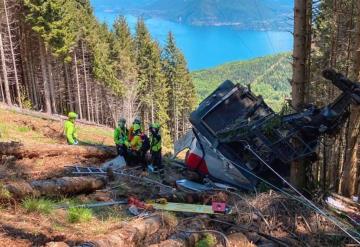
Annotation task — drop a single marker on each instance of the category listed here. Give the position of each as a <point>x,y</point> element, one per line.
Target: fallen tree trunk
<point>55,187</point>
<point>20,150</point>
<point>130,235</point>
<point>46,116</point>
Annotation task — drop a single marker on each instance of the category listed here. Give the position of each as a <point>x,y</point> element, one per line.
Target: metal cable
<point>313,205</point>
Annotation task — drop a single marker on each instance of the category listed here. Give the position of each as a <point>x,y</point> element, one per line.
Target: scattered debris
<point>187,208</point>
<point>95,205</point>
<point>345,207</point>
<point>192,186</point>
<point>114,164</point>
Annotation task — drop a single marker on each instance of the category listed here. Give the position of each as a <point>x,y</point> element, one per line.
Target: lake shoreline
<point>210,46</point>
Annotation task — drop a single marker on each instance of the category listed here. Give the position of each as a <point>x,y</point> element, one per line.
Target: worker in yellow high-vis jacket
<point>70,129</point>
<point>121,138</point>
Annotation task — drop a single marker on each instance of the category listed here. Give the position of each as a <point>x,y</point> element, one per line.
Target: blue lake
<point>206,47</point>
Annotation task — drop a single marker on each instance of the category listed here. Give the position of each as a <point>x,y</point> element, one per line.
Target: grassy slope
<point>268,77</point>
<point>23,128</point>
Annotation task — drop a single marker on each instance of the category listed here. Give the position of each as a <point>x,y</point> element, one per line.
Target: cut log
<point>55,187</point>
<point>20,150</point>
<point>132,234</point>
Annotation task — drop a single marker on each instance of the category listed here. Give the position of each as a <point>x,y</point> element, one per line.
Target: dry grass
<point>23,128</point>
<point>289,220</point>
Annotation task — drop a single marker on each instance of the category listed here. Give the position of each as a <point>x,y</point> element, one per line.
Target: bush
<point>208,241</point>
<point>5,195</point>
<point>42,206</point>
<point>76,215</point>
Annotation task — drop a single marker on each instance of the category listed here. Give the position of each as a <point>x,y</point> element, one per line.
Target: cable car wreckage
<point>239,141</point>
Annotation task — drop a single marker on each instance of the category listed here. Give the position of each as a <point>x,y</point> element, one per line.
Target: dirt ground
<point>18,228</point>
<point>31,131</point>
<point>265,219</point>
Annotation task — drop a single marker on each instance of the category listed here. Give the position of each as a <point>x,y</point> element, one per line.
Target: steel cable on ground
<point>305,200</point>
<point>311,206</point>
<point>302,198</point>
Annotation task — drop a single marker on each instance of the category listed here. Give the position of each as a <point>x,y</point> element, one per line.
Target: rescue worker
<point>155,149</point>
<point>137,120</point>
<point>121,138</point>
<point>70,130</point>
<point>136,146</point>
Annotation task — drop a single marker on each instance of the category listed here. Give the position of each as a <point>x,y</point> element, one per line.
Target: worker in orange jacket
<point>135,146</point>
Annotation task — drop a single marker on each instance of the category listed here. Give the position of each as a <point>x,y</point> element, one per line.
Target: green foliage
<point>208,241</point>
<point>181,95</point>
<point>63,23</point>
<point>26,103</point>
<point>129,66</point>
<point>152,84</point>
<point>5,195</point>
<point>23,129</point>
<point>42,206</point>
<point>267,76</point>
<point>78,215</point>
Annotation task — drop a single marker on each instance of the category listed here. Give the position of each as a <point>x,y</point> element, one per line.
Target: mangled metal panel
<point>234,128</point>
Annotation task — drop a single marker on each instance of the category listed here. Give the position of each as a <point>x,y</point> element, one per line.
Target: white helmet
<point>137,120</point>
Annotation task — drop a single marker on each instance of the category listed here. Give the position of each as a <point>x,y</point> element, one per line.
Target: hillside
<point>268,77</point>
<point>55,219</point>
<point>249,15</point>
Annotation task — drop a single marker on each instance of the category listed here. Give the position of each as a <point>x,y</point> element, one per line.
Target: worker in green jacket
<point>70,130</point>
<point>135,146</point>
<point>121,138</point>
<point>155,149</point>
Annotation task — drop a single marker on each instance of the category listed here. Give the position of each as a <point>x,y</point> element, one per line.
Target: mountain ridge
<point>243,14</point>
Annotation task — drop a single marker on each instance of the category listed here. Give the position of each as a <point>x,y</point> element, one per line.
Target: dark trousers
<point>143,160</point>
<point>122,151</point>
<point>137,158</point>
<point>156,159</point>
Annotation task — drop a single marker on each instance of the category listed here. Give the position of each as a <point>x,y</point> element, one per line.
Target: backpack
<point>145,143</point>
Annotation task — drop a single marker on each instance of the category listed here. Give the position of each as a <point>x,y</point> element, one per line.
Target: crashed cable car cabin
<point>238,139</point>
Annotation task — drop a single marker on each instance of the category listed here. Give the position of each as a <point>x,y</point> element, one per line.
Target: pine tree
<point>181,89</point>
<point>125,66</point>
<point>170,64</point>
<point>188,93</point>
<point>143,48</point>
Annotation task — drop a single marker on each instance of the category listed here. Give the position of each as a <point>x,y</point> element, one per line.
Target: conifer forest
<point>56,57</point>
